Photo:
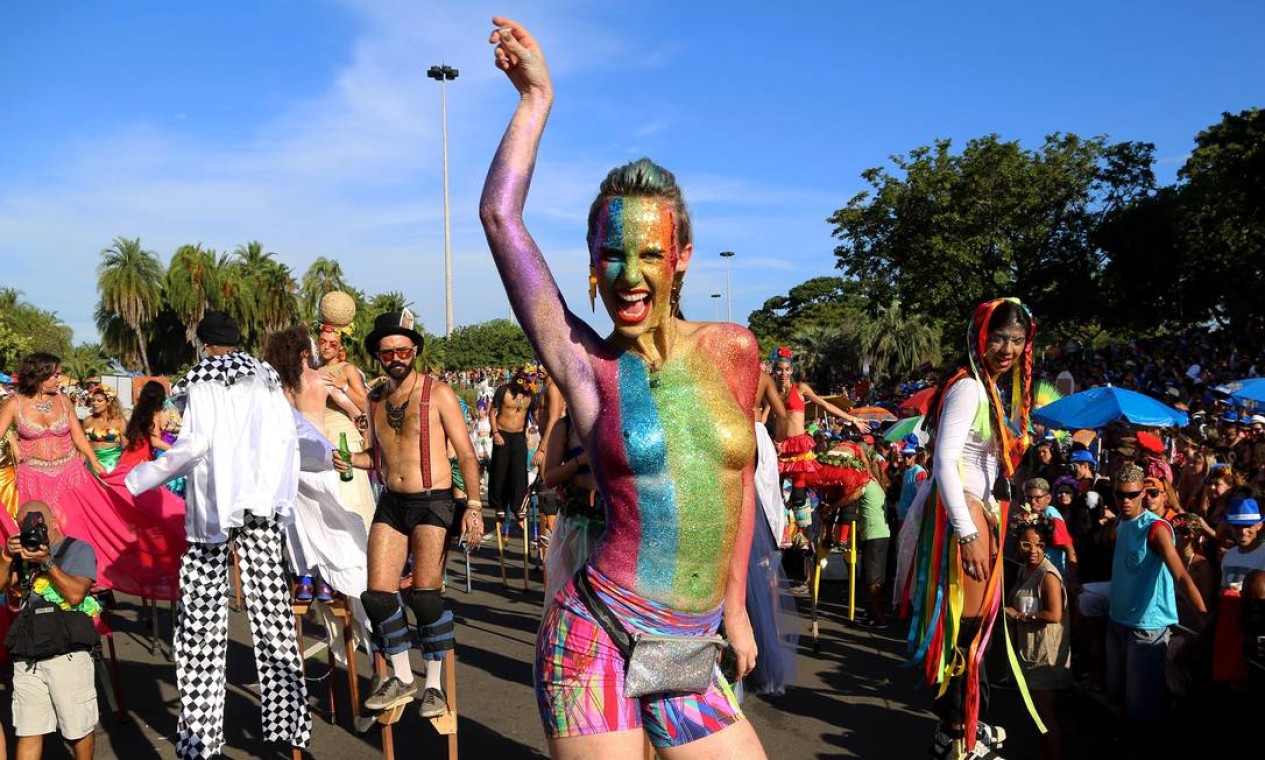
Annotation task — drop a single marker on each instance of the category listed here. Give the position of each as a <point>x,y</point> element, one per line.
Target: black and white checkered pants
<point>202,640</point>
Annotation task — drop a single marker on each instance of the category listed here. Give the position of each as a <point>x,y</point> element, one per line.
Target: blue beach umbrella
<point>1094,408</point>
<point>1249,393</point>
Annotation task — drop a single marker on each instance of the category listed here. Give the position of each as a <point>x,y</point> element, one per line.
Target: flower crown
<point>104,390</point>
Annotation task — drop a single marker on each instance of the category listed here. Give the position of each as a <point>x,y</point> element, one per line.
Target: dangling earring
<point>676,296</point>
<point>592,288</point>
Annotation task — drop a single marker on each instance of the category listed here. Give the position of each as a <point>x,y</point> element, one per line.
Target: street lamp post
<point>729,299</point>
<point>716,306</point>
<point>443,74</point>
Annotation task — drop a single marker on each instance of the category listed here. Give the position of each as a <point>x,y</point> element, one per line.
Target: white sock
<point>434,673</point>
<point>402,668</point>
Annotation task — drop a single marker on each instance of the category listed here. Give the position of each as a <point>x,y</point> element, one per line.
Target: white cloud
<point>354,173</point>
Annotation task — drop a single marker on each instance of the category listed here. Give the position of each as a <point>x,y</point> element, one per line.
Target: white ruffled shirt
<point>240,451</point>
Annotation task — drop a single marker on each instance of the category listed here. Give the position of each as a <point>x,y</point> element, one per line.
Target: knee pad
<point>434,624</point>
<point>390,627</point>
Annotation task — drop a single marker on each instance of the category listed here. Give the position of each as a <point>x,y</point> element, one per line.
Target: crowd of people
<point>672,464</point>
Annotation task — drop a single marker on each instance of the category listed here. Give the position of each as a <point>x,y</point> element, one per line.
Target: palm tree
<point>193,286</point>
<point>322,277</point>
<point>271,286</point>
<point>237,294</point>
<point>896,343</point>
<point>130,281</point>
<point>86,360</point>
<point>818,349</point>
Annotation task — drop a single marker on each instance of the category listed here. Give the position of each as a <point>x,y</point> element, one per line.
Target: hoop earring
<point>592,288</point>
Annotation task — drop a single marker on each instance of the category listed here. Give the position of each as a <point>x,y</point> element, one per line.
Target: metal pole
<point>729,301</point>
<point>443,90</point>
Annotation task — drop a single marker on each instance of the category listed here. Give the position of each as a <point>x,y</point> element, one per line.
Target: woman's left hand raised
<point>742,641</point>
<point>519,56</point>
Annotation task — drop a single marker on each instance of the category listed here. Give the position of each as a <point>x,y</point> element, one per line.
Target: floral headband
<point>104,390</point>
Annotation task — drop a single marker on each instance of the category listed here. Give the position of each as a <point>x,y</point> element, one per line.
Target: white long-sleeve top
<point>966,456</point>
<point>240,451</point>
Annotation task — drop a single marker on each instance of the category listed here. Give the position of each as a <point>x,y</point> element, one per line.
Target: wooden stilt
<point>500,552</point>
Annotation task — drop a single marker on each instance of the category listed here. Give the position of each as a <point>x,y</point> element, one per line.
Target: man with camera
<point>53,638</point>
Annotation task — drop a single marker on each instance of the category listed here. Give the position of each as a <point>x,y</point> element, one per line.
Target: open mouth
<point>632,306</point>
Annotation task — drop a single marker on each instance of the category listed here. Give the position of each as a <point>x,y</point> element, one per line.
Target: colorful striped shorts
<point>580,672</point>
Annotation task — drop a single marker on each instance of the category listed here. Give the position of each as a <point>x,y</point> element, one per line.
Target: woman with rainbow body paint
<point>953,585</point>
<point>664,409</point>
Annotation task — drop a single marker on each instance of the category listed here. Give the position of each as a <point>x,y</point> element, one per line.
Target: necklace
<point>395,414</point>
<point>44,406</point>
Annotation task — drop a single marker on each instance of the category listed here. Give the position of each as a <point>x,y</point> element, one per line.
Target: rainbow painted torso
<point>668,450</point>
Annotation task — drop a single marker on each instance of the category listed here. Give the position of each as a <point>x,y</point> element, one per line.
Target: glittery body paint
<point>673,449</point>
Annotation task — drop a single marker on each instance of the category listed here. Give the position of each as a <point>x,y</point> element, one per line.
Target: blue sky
<point>311,127</point>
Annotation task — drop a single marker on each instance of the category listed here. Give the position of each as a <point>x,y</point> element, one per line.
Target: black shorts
<point>874,561</point>
<point>405,511</point>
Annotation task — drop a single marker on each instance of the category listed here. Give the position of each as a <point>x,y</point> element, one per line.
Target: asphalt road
<point>853,699</point>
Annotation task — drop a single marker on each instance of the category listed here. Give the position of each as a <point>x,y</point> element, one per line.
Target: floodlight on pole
<point>716,306</point>
<point>443,74</point>
<point>729,299</point>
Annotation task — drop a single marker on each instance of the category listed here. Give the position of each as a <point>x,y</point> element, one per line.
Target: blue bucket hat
<point>1081,455</point>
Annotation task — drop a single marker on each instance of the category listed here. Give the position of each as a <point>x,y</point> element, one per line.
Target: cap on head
<point>1082,456</point>
<point>217,328</point>
<point>1243,512</point>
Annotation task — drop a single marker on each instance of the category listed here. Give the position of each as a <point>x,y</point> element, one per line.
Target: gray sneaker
<point>391,693</point>
<point>434,704</point>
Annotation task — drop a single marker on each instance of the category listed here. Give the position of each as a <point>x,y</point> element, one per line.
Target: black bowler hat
<point>390,324</point>
<point>217,328</point>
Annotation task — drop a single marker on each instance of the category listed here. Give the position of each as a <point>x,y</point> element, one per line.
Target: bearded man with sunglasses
<point>413,419</point>
<point>1146,571</point>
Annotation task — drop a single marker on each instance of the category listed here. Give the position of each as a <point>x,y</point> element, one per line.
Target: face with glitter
<point>637,261</point>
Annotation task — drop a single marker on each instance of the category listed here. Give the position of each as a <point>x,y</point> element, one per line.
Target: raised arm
<point>808,393</point>
<point>561,339</point>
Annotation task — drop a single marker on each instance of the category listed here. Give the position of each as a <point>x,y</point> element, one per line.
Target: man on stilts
<point>413,420</point>
<point>239,449</point>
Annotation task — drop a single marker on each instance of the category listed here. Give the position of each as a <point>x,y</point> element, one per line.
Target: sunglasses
<point>1066,493</point>
<point>1152,492</point>
<point>1030,545</point>
<point>1127,495</point>
<point>388,354</point>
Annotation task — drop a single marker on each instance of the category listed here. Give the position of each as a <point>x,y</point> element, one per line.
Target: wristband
<point>474,505</point>
<point>968,539</point>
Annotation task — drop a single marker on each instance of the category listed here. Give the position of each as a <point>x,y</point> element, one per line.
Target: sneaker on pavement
<point>434,704</point>
<point>391,693</point>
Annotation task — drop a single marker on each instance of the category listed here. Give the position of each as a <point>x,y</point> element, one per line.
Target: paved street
<point>852,700</point>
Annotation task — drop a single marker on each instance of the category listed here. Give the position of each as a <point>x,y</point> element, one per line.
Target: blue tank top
<point>1142,593</point>
<point>908,489</point>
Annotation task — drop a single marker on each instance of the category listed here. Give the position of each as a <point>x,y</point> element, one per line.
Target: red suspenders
<point>423,420</point>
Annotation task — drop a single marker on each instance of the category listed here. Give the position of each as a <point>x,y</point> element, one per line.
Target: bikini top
<point>793,401</point>
<point>102,435</point>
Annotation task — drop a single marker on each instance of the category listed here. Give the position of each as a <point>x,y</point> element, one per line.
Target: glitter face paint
<point>636,258</point>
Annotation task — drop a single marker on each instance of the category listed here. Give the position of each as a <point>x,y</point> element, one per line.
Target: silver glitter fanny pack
<point>656,663</point>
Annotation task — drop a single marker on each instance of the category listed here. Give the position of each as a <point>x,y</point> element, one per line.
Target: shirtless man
<point>507,484</point>
<point>346,403</point>
<point>413,420</point>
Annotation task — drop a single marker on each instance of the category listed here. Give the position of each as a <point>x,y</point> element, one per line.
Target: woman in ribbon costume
<point>954,587</point>
<point>664,409</point>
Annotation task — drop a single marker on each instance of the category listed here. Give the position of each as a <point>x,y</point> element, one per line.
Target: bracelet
<point>968,539</point>
<point>474,505</point>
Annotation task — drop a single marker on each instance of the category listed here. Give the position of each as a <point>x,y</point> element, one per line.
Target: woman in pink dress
<point>138,545</point>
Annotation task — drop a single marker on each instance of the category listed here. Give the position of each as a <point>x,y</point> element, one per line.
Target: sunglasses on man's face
<point>390,354</point>
<point>1152,492</point>
<point>1127,495</point>
<point>1030,545</point>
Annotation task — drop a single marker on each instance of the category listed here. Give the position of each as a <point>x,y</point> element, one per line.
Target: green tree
<point>1223,210</point>
<point>272,288</point>
<point>130,282</point>
<point>193,286</point>
<point>28,328</point>
<point>494,343</point>
<point>323,276</point>
<point>946,231</point>
<point>894,343</point>
<point>831,302</point>
<point>85,360</point>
